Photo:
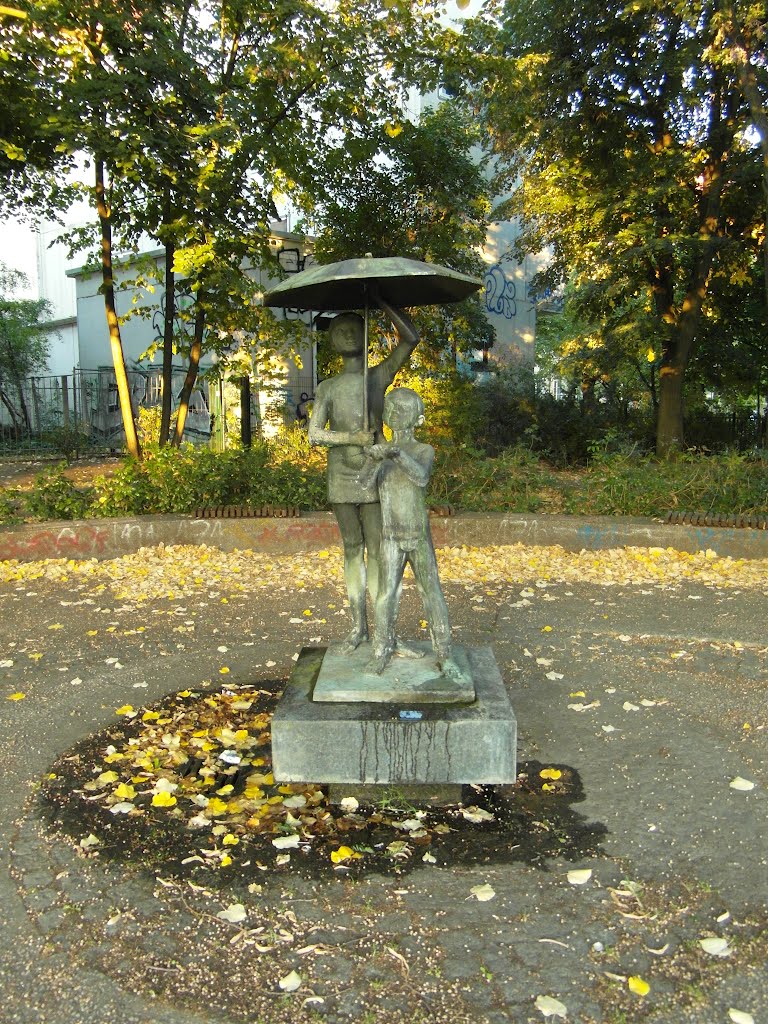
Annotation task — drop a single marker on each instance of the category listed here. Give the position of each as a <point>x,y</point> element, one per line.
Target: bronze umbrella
<point>355,284</point>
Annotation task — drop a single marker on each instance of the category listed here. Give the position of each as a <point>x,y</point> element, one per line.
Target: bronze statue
<point>404,469</point>
<point>337,422</point>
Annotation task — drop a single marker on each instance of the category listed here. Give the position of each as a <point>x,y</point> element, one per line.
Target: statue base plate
<point>343,679</point>
<point>405,742</point>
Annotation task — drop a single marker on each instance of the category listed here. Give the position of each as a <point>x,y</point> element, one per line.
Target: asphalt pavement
<point>653,697</point>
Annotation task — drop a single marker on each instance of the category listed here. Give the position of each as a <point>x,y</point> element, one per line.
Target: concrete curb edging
<point>110,538</point>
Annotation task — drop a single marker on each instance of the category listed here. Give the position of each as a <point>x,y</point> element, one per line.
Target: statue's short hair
<point>405,401</point>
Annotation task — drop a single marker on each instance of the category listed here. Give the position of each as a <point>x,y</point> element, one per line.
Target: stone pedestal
<point>399,742</point>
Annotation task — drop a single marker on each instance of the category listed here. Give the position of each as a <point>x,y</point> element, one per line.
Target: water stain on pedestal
<point>399,741</point>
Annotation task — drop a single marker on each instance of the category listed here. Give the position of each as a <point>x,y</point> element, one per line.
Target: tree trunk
<point>23,406</point>
<point>115,341</point>
<point>189,381</point>
<point>246,435</point>
<point>669,418</point>
<point>5,399</point>
<point>681,326</point>
<point>168,325</point>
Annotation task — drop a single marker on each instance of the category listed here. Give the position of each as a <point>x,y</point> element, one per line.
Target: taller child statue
<point>337,422</point>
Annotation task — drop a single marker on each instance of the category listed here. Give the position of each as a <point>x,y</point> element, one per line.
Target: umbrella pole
<point>365,363</point>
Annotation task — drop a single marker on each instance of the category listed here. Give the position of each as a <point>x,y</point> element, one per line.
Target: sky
<point>18,250</point>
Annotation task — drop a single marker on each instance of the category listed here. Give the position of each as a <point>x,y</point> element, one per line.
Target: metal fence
<point>76,413</point>
<point>79,412</point>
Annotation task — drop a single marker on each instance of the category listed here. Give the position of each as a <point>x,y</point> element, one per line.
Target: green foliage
<point>623,142</point>
<point>24,345</point>
<point>511,408</point>
<point>618,484</point>
<point>202,135</point>
<point>148,426</point>
<point>56,497</point>
<point>182,480</point>
<point>416,190</point>
<point>11,506</point>
<point>68,442</point>
<point>514,481</point>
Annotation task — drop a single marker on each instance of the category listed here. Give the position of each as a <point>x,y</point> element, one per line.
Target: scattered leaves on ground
<point>579,876</point>
<point>743,785</point>
<point>483,893</point>
<point>638,986</point>
<point>197,766</point>
<point>551,1007</point>
<point>182,570</point>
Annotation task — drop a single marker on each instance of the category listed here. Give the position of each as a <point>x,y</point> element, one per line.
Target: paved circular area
<point>652,691</point>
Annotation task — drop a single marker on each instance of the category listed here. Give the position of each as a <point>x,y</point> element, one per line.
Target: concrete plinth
<point>407,743</point>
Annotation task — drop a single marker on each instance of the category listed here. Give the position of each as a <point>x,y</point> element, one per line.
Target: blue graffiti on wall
<point>500,293</point>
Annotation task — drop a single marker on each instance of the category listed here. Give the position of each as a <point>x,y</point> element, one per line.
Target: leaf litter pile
<point>186,785</point>
<point>184,570</point>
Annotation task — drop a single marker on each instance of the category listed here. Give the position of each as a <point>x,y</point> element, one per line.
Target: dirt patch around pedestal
<point>185,788</point>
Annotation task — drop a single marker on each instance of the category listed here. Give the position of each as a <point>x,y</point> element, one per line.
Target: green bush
<point>11,507</point>
<point>287,472</point>
<point>619,484</point>
<point>515,481</point>
<point>55,497</point>
<point>68,442</point>
<point>509,408</point>
<point>182,480</point>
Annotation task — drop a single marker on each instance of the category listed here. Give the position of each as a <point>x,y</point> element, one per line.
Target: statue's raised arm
<point>407,334</point>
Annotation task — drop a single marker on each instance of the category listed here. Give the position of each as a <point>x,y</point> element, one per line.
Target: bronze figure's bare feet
<point>451,670</point>
<point>404,650</point>
<point>353,641</point>
<point>377,664</point>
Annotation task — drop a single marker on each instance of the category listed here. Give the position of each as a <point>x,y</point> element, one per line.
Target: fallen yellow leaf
<point>163,799</point>
<point>638,986</point>
<point>344,853</point>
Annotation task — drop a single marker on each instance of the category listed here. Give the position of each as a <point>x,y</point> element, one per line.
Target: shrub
<point>286,472</point>
<point>514,481</point>
<point>11,507</point>
<point>68,442</point>
<point>181,480</point>
<point>621,484</point>
<point>55,497</point>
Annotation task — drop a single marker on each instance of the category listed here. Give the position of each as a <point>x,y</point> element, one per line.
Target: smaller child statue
<point>404,470</point>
